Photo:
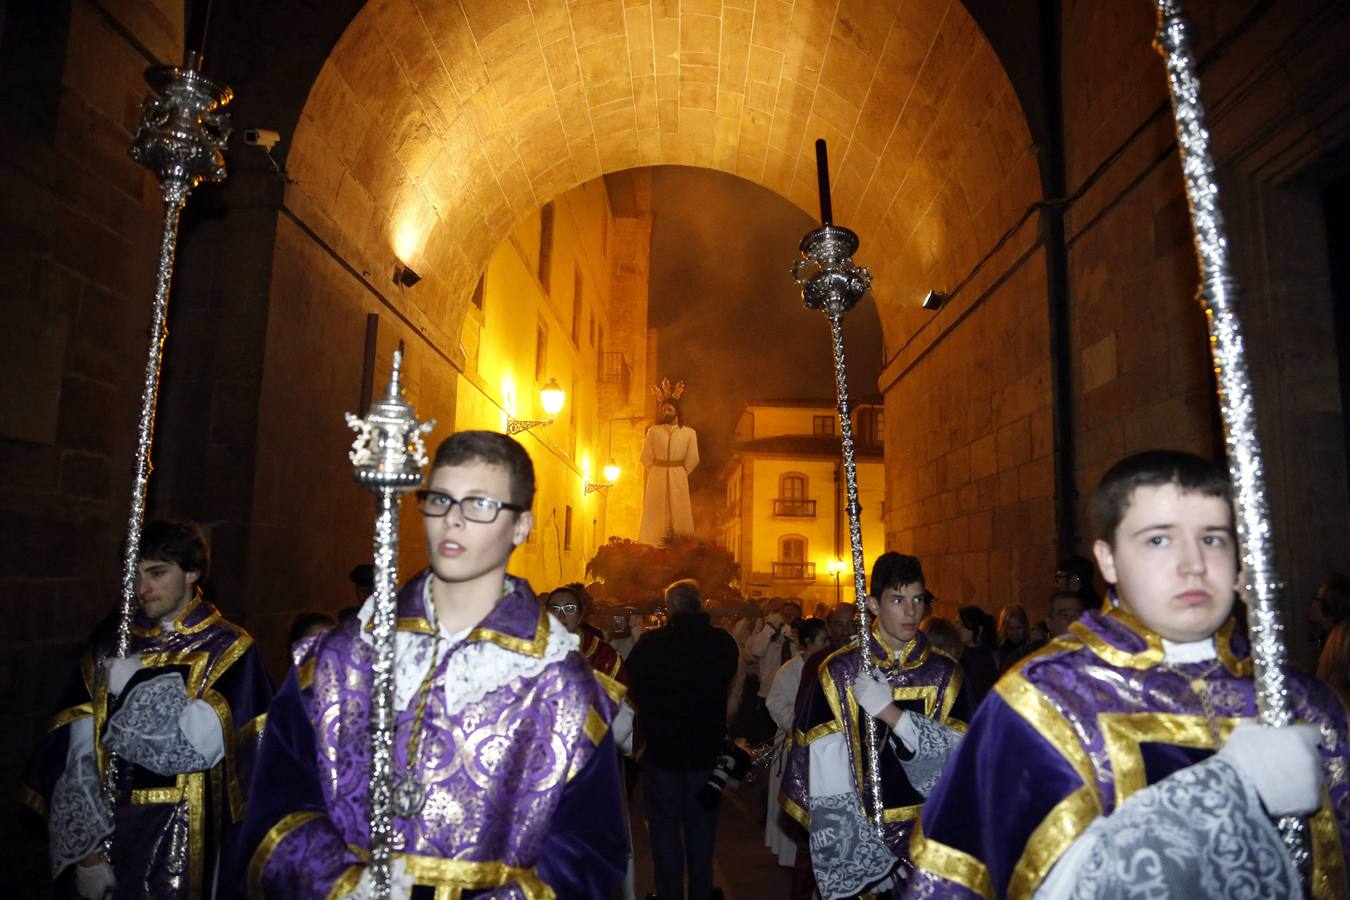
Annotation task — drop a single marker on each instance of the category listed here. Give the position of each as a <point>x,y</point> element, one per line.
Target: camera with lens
<point>733,766</point>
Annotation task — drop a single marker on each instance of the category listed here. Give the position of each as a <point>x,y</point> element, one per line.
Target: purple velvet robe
<point>923,679</point>
<point>169,830</point>
<point>1078,727</point>
<point>523,784</point>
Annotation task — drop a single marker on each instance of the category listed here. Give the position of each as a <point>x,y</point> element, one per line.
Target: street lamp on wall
<point>612,472</point>
<point>552,397</point>
<point>837,567</point>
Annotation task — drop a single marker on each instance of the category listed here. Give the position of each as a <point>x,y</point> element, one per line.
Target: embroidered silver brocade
<point>145,729</point>
<point>931,743</point>
<point>1199,833</point>
<point>847,854</point>
<point>78,820</point>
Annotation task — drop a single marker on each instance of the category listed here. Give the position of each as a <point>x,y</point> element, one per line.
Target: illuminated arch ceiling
<point>435,125</point>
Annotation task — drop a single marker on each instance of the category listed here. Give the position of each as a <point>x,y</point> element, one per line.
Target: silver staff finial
<point>387,456</point>
<point>388,450</point>
<point>831,283</point>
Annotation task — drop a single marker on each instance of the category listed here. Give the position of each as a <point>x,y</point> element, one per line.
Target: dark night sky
<point>731,322</point>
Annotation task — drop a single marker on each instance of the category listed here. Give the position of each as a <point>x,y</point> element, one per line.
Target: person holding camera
<point>681,675</point>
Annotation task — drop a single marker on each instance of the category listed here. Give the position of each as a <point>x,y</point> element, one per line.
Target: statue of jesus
<point>670,453</point>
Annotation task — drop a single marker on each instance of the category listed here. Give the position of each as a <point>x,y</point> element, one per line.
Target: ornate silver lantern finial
<point>387,458</point>
<point>833,284</point>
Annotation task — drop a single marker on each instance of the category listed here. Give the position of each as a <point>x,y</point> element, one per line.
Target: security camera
<point>261,137</point>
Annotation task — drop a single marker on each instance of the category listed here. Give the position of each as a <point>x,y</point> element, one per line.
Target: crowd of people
<point>1108,748</point>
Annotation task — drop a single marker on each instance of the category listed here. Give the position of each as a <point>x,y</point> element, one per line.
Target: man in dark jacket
<point>680,677</point>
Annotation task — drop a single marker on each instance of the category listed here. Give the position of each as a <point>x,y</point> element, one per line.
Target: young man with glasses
<point>917,697</point>
<point>506,777</point>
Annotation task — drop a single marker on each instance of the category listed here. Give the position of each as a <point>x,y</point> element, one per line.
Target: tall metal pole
<point>387,458</point>
<point>1219,292</point>
<point>180,139</point>
<point>831,283</point>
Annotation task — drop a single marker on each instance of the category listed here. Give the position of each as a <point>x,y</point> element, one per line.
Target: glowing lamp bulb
<point>552,396</point>
<point>836,566</point>
<point>612,471</point>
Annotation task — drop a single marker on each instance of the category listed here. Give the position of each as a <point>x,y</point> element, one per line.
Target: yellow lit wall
<point>753,482</point>
<point>500,380</point>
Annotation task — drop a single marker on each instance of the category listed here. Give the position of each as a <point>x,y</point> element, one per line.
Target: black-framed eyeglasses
<point>563,609</point>
<point>485,510</point>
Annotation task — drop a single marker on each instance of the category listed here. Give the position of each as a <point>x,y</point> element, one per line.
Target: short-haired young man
<point>505,770</point>
<point>1092,771</point>
<point>182,711</point>
<point>921,708</point>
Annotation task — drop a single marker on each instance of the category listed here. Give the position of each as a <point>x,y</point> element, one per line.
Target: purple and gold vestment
<point>168,828</point>
<point>923,680</point>
<point>523,796</point>
<point>1083,724</point>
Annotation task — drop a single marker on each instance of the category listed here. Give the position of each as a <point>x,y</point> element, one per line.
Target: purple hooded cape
<point>168,829</point>
<point>523,784</point>
<point>923,679</point>
<point>1078,727</point>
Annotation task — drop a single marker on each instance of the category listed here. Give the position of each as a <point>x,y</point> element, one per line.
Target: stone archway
<point>434,126</point>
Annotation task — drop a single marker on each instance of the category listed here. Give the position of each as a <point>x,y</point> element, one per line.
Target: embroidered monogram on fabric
<point>846,853</point>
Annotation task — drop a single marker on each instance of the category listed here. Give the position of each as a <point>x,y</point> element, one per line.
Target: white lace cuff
<point>77,820</point>
<point>930,743</point>
<point>145,728</point>
<point>1199,832</point>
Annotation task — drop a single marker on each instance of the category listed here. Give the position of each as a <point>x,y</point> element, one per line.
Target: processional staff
<point>831,283</point>
<point>1219,292</point>
<point>182,133</point>
<point>387,456</point>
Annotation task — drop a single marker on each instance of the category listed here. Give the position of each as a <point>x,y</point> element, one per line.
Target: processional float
<point>182,133</point>
<point>1219,292</point>
<point>387,458</point>
<point>831,283</point>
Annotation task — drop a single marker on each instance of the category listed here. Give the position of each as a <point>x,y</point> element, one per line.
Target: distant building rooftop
<point>809,402</point>
<point>823,445</point>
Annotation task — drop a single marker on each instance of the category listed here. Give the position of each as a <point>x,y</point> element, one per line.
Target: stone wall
<point>80,227</point>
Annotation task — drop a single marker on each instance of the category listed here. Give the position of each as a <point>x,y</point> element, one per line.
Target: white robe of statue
<point>670,453</point>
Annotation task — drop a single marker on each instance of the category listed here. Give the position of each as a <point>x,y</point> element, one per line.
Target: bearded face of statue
<point>665,415</point>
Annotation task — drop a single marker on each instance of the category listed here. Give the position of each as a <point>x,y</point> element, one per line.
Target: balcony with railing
<point>794,571</point>
<point>612,369</point>
<point>794,508</point>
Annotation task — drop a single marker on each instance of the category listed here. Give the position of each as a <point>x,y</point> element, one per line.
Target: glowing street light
<point>552,396</point>
<point>612,472</point>
<point>837,567</point>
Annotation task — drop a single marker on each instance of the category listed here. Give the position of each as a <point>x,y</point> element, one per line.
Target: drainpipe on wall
<point>1053,183</point>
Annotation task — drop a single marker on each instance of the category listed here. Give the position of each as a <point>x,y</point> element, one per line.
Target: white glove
<point>871,694</point>
<point>95,882</point>
<point>400,883</point>
<point>120,669</point>
<point>1282,764</point>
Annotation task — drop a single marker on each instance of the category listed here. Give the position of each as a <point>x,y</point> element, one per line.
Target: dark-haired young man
<point>1092,771</point>
<point>182,711</point>
<point>505,770</point>
<point>921,708</point>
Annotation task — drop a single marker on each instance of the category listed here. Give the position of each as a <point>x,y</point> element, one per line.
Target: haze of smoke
<point>731,321</point>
